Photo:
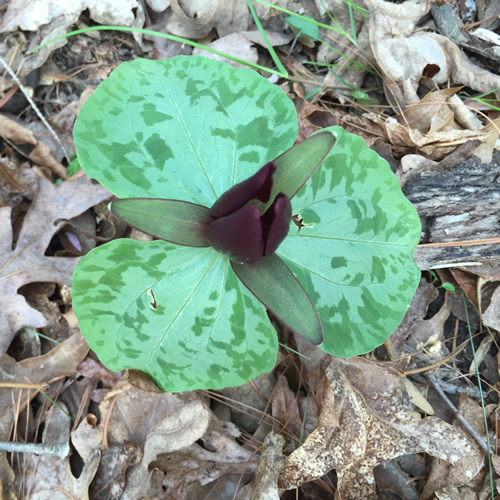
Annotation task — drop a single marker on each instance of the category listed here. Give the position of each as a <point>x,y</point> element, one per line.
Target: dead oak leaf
<point>26,262</point>
<point>196,18</point>
<point>49,477</point>
<point>57,363</point>
<point>363,424</point>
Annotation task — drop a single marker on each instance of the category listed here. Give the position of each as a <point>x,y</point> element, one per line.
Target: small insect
<point>297,220</point>
<point>153,302</point>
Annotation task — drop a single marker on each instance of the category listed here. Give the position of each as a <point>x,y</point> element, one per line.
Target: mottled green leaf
<point>353,252</point>
<point>184,128</point>
<point>176,221</point>
<point>179,314</point>
<point>276,287</point>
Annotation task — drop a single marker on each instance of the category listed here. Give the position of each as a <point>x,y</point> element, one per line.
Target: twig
<point>484,241</point>
<point>472,392</point>
<point>436,384</point>
<point>35,108</point>
<point>60,450</point>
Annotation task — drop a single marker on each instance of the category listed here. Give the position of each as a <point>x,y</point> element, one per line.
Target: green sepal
<point>276,287</point>
<point>298,164</point>
<point>178,222</point>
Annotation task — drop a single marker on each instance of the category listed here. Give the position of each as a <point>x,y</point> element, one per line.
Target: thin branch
<point>34,106</point>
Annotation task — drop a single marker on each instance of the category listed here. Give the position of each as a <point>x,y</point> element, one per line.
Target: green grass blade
<point>482,397</point>
<point>282,73</point>
<point>291,13</point>
<point>270,48</point>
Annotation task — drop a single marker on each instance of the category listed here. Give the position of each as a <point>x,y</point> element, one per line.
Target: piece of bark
<point>460,204</point>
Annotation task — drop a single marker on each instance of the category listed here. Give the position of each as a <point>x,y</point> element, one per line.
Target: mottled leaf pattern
<point>179,314</point>
<point>188,129</point>
<point>353,254</point>
<point>185,128</point>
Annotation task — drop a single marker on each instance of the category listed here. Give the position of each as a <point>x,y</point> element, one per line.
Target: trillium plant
<point>202,157</point>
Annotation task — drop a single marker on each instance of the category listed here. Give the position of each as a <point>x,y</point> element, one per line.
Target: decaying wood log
<point>459,204</point>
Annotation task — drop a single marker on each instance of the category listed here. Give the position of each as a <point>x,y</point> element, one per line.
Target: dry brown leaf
<point>349,20</point>
<point>309,114</point>
<point>414,165</point>
<point>196,18</point>
<point>286,410</point>
<point>404,56</point>
<point>425,294</point>
<point>491,317</point>
<point>275,38</point>
<point>465,471</point>
<point>421,115</point>
<point>364,424</point>
<point>59,362</point>
<point>30,16</point>
<point>48,477</point>
<point>235,45</point>
<point>265,483</point>
<point>26,263</point>
<point>9,129</point>
<point>151,422</point>
<point>250,400</point>
<point>50,19</point>
<point>216,454</point>
<point>428,334</point>
<point>115,463</point>
<point>158,5</point>
<point>434,145</point>
<point>42,154</point>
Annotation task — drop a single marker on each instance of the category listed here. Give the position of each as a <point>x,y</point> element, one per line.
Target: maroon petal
<point>239,235</point>
<point>276,223</point>
<point>256,187</point>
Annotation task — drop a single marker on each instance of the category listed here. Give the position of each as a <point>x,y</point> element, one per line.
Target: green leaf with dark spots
<point>175,221</point>
<point>353,253</point>
<point>179,314</point>
<point>276,287</point>
<point>185,128</point>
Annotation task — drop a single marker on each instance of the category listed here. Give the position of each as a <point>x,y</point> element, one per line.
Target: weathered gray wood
<point>459,204</point>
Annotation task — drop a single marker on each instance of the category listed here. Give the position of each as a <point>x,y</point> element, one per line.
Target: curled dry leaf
<point>405,56</point>
<point>364,424</point>
<point>491,317</point>
<point>285,410</point>
<point>25,262</point>
<point>265,485</point>
<point>171,423</point>
<point>345,54</point>
<point>235,45</point>
<point>158,5</point>
<point>58,363</point>
<point>29,17</point>
<point>41,154</point>
<point>196,18</point>
<point>203,462</point>
<point>47,477</point>
<point>465,470</point>
<point>425,294</point>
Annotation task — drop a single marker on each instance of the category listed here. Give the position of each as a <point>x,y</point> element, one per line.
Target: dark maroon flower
<point>239,230</point>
